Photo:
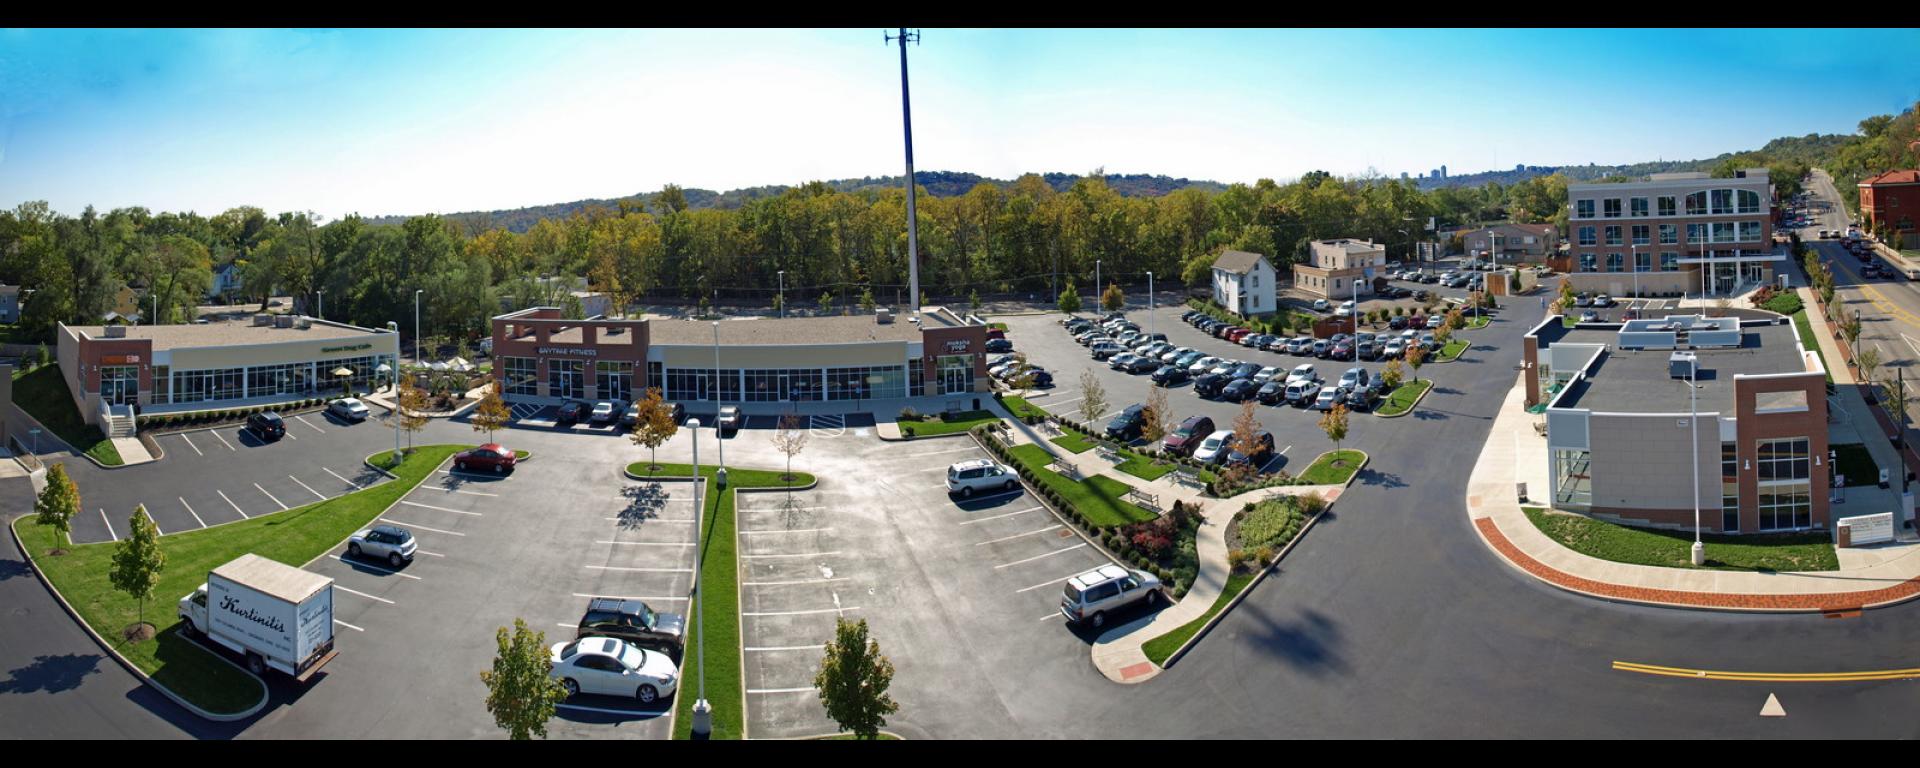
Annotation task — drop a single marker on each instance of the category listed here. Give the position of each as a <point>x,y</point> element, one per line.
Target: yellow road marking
<point>1769,677</point>
<point>1879,300</point>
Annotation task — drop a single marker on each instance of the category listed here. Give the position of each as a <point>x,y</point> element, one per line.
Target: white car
<point>391,543</point>
<point>612,667</point>
<point>1214,448</point>
<point>1175,354</point>
<point>1302,372</point>
<point>348,408</point>
<point>1202,365</point>
<point>1266,374</point>
<point>967,477</point>
<point>603,412</point>
<point>1090,596</point>
<point>1320,305</point>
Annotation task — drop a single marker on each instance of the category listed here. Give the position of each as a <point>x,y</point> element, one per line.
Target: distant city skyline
<point>436,121</point>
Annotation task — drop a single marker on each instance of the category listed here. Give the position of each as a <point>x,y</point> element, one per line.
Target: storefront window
<point>522,375</point>
<point>614,380</point>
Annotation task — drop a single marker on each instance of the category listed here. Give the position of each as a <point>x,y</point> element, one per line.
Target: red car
<point>490,456</point>
<point>995,333</point>
<point>1236,334</point>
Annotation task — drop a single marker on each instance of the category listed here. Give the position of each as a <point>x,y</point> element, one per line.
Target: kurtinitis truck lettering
<point>270,622</point>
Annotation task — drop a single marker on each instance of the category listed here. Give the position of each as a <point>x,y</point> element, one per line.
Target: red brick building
<point>1893,199</point>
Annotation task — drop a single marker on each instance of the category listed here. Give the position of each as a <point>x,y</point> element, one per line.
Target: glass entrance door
<point>956,374</point>
<point>120,384</point>
<point>564,379</point>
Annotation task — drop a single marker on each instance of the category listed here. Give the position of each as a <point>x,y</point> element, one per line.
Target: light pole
<point>702,711</point>
<point>720,474</point>
<point>416,325</point>
<point>1635,250</point>
<point>320,303</point>
<point>1149,302</point>
<point>1097,290</point>
<point>156,310</point>
<point>1693,423</point>
<point>783,294</point>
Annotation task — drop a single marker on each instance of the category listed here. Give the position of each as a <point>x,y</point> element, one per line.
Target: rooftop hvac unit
<point>883,315</point>
<point>1682,365</point>
<point>116,331</point>
<point>303,323</point>
<point>283,321</point>
<point>263,319</point>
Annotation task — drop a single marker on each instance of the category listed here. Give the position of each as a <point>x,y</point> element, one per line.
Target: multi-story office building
<point>1673,233</point>
<point>1624,432</point>
<point>1337,268</point>
<point>1892,200</point>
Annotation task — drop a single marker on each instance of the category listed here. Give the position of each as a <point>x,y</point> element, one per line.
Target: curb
<point>1410,409</point>
<point>240,423</point>
<point>31,421</point>
<point>265,691</point>
<point>1041,499</point>
<point>825,736</point>
<point>904,439</point>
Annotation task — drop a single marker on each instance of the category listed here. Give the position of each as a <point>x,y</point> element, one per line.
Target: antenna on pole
<point>906,120</point>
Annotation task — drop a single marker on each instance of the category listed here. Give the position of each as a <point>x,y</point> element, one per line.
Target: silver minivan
<point>1090,596</point>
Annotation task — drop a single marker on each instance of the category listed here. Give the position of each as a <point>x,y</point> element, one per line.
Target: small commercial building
<point>1244,283</point>
<point>1671,234</point>
<point>1512,243</point>
<point>115,370</point>
<point>1892,200</point>
<point>1336,268</point>
<point>1625,422</point>
<point>541,357</point>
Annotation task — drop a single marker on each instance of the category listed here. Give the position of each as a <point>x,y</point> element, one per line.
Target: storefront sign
<point>119,359</point>
<point>1870,529</point>
<point>584,351</point>
<point>347,348</point>
<point>958,345</point>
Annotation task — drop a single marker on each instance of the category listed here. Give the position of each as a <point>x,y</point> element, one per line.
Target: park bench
<point>1065,469</point>
<point>1143,500</point>
<point>1187,477</point>
<point>1109,453</point>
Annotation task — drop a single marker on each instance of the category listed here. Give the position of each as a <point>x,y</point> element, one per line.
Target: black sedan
<point>1238,390</point>
<point>999,345</point>
<point>1209,385</point>
<point>573,411</point>
<point>1169,374</point>
<point>1142,364</point>
<point>1272,393</point>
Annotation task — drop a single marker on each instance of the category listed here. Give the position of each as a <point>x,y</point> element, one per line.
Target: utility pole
<point>906,120</point>
<point>1693,424</point>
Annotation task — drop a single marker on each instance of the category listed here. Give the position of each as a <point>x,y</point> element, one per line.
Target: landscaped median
<point>719,582</point>
<point>1404,398</point>
<point>295,537</point>
<point>1334,468</point>
<point>930,425</point>
<point>1673,549</point>
<point>1252,535</point>
<point>1451,351</point>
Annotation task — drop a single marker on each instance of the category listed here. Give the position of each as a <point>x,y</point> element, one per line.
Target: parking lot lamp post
<point>320,303</point>
<point>783,294</point>
<point>1150,302</point>
<point>416,325</point>
<point>1693,423</point>
<point>702,711</point>
<point>720,474</point>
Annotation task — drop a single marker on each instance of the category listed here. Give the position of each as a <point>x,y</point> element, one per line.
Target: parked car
<point>1301,393</point>
<point>1141,364</point>
<point>1355,377</point>
<point>391,543</point>
<point>1090,596</point>
<point>1435,321</point>
<point>1363,398</point>
<point>1106,349</point>
<point>349,408</point>
<point>1042,379</point>
<point>1244,370</point>
<point>1341,351</point>
<point>976,475</point>
<point>1328,398</point>
<point>492,457</point>
<point>1262,452</point>
<point>1273,392</point>
<point>1119,362</point>
<point>1209,384</point>
<point>1603,301</point>
<point>1214,447</point>
<point>1238,390</point>
<point>730,419</point>
<point>999,345</point>
<point>611,667</point>
<point>1126,426</point>
<point>1427,340</point>
<point>1275,344</point>
<point>267,425</point>
<point>1589,316</point>
<point>571,411</point>
<point>1320,305</point>
<point>1397,322</point>
<point>1169,374</point>
<point>1201,366</point>
<point>1184,438</point>
<point>1301,372</point>
<point>632,415</point>
<point>603,412</point>
<point>1188,359</point>
<point>1268,373</point>
<point>1583,300</point>
<point>1321,347</point>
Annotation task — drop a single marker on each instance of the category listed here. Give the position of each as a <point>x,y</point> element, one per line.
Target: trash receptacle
<point>976,403</point>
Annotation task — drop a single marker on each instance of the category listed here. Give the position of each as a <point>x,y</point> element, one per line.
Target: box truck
<point>277,616</point>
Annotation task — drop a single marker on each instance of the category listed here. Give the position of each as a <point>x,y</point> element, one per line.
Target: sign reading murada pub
<point>583,351</point>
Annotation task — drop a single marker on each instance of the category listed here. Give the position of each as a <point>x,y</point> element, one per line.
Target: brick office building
<point>1893,199</point>
<point>1674,232</point>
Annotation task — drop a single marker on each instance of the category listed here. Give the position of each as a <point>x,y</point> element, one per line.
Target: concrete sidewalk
<point>1880,575</point>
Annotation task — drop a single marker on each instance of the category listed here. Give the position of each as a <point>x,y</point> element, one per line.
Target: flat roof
<point>1637,380</point>
<point>842,329</point>
<point>273,578</point>
<point>228,333</point>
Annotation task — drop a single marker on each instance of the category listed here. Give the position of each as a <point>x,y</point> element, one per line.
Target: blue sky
<point>408,121</point>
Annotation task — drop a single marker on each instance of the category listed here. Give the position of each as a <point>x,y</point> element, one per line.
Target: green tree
<point>1416,355</point>
<point>790,438</point>
<point>411,414</point>
<point>521,692</point>
<point>654,426</point>
<point>973,300</point>
<point>59,502</point>
<point>1390,375</point>
<point>137,563</point>
<point>826,302</point>
<point>1849,326</point>
<point>866,301</point>
<point>42,357</point>
<point>1869,361</point>
<point>853,681</point>
<point>1158,418</point>
<point>1070,300</point>
<point>1566,296</point>
<point>1113,298</point>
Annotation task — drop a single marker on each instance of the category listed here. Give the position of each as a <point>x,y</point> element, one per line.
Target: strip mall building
<point>543,358</point>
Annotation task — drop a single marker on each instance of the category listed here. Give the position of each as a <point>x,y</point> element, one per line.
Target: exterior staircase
<point>117,421</point>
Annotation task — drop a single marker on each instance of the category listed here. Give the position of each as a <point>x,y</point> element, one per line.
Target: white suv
<point>1092,595</point>
<point>980,475</point>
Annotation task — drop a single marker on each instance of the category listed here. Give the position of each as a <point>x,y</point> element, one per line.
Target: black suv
<point>1127,425</point>
<point>1209,384</point>
<point>267,425</point>
<point>571,412</point>
<point>634,622</point>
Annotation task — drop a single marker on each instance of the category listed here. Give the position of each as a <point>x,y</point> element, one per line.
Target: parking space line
<point>421,527</point>
<point>790,583</point>
<point>469,493</point>
<point>605,711</point>
<point>937,453</point>
<point>997,517</point>
<point>290,436</point>
<point>627,569</point>
<point>359,564</point>
<point>1041,584</point>
<point>781,690</point>
<point>649,543</point>
<point>441,509</point>
<point>785,648</point>
<point>1037,557</point>
<point>283,507</point>
<point>785,509</point>
<point>1017,535</point>
<point>236,507</point>
<point>103,518</point>
<point>196,515</point>
<point>303,420</point>
<point>1053,615</point>
<point>568,626</point>
<point>627,597</point>
<point>348,626</point>
<point>790,530</point>
<point>654,520</point>
<point>424,552</point>
<point>223,441</point>
<point>156,523</point>
<point>362,594</point>
<point>323,497</point>
<point>803,554</point>
<point>1002,494</point>
<point>196,449</point>
<point>337,476</point>
<point>802,613</point>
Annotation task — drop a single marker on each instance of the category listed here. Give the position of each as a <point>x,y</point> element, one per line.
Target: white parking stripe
<point>780,690</point>
<point>1041,584</point>
<point>289,435</point>
<point>937,453</point>
<point>283,507</point>
<point>1054,615</point>
<point>640,570</point>
<point>323,497</point>
<point>156,523</point>
<point>103,518</point>
<point>196,449</point>
<point>605,711</point>
<point>430,554</point>
<point>223,441</point>
<point>375,567</point>
<point>196,515</point>
<point>803,554</point>
<point>784,509</point>
<point>654,520</point>
<point>990,496</point>
<point>441,509</point>
<point>803,613</point>
<point>236,507</point>
<point>789,583</point>
<point>649,543</point>
<point>348,626</point>
<point>791,530</point>
<point>337,476</point>
<point>362,594</point>
<point>1016,536</point>
<point>421,527</point>
<point>303,420</point>
<point>997,517</point>
<point>1037,557</point>
<point>568,626</point>
<point>627,597</point>
<point>469,493</point>
<point>786,648</point>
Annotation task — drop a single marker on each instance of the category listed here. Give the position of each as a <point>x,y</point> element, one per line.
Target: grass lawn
<point>1073,441</point>
<point>1478,322</point>
<point>997,326</point>
<point>292,537</point>
<point>1857,464</point>
<point>961,423</point>
<point>1323,471</point>
<point>1403,397</point>
<point>719,568</point>
<point>1452,350</point>
<point>1807,340</point>
<point>1019,407</point>
<point>1159,648</point>
<point>1672,549</point>
<point>44,394</point>
<point>1098,498</point>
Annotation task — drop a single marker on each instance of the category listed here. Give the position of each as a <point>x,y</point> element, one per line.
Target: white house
<point>1244,283</point>
<point>226,279</point>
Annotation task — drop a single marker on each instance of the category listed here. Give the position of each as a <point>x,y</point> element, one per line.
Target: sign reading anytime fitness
<point>583,351</point>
